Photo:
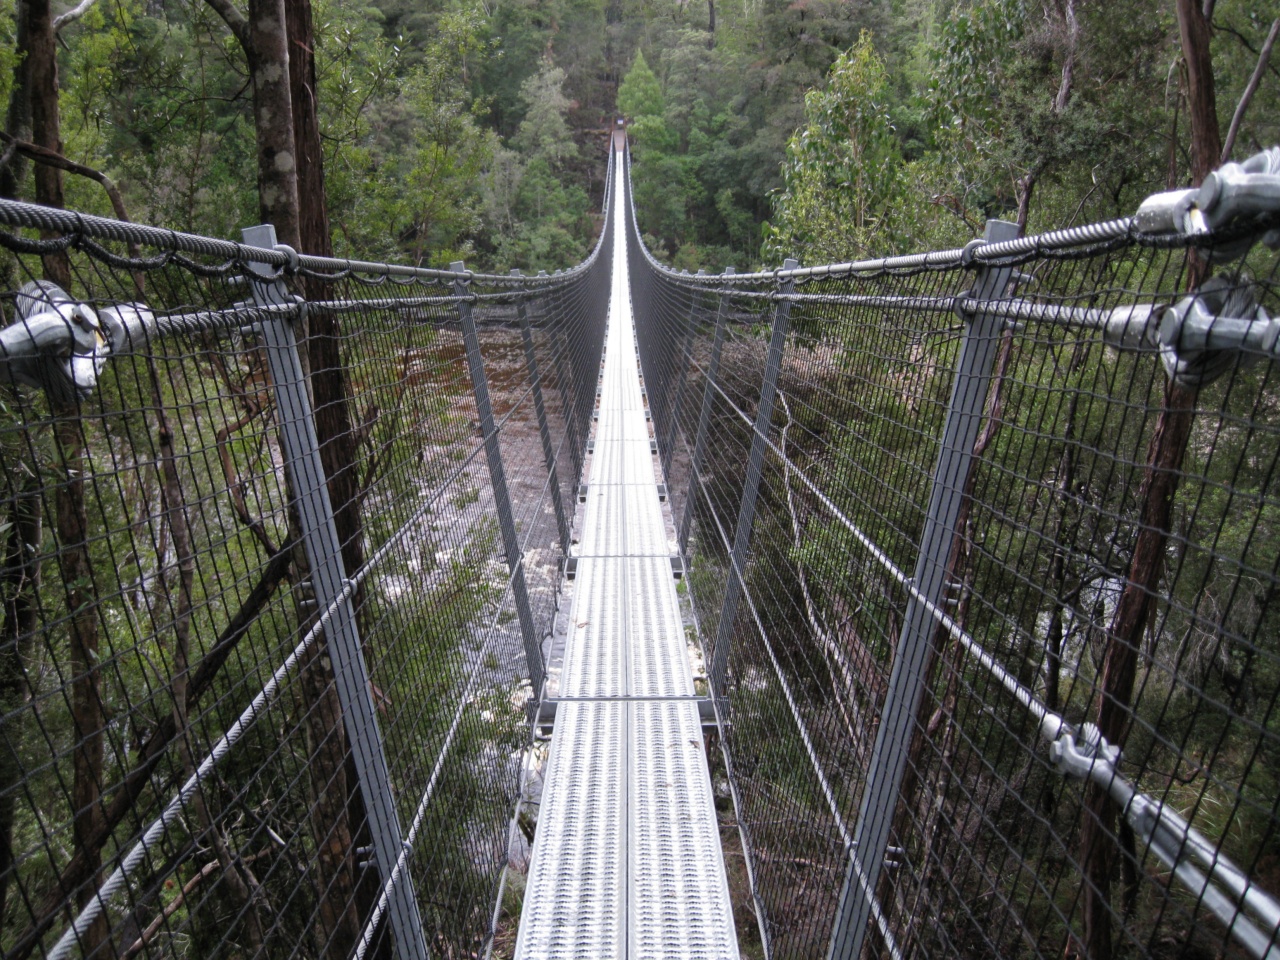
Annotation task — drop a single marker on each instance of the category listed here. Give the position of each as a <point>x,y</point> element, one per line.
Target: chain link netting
<point>982,546</point>
<point>177,773</point>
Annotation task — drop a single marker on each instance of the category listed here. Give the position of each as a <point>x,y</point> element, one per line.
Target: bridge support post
<point>907,680</point>
<point>544,431</point>
<point>704,420</point>
<point>569,398</point>
<point>751,488</point>
<point>498,479</point>
<point>333,593</point>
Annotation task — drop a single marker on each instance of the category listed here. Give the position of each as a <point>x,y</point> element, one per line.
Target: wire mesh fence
<point>276,571</point>
<point>959,528</point>
<point>982,546</point>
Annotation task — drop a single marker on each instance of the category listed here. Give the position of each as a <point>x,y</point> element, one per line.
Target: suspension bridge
<point>915,606</point>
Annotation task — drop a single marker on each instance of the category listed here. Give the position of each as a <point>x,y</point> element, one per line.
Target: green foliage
<point>640,94</point>
<point>1020,103</point>
<point>570,33</point>
<point>959,121</point>
<point>842,178</point>
<point>534,206</point>
<point>9,56</point>
<point>544,131</point>
<point>725,105</point>
<point>971,58</point>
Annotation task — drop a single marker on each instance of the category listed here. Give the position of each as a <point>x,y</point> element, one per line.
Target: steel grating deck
<point>626,860</point>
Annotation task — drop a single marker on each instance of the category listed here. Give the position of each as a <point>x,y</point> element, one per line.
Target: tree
<point>842,179</point>
<point>640,94</point>
<point>532,198</point>
<point>1165,454</point>
<point>544,131</point>
<point>263,36</point>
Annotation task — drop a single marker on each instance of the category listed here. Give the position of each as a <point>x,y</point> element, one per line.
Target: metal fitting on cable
<point>293,265</point>
<point>60,344</point>
<point>970,248</point>
<point>1222,888</point>
<point>1081,752</point>
<point>1232,196</point>
<point>1203,335</point>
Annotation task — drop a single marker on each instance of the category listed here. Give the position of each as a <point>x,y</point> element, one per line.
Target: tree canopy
<point>454,129</point>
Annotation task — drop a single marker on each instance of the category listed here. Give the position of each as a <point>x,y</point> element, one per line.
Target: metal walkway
<point>627,860</point>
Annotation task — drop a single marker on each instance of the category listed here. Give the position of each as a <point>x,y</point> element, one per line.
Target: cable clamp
<point>1235,195</point>
<point>55,343</point>
<point>971,248</point>
<point>1078,752</point>
<point>1203,335</point>
<point>294,262</point>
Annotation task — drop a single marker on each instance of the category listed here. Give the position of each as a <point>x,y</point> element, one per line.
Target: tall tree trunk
<point>1098,836</point>
<point>18,118</point>
<point>1202,102</point>
<point>337,802</point>
<point>88,719</point>
<point>1168,446</point>
<point>263,36</point>
<point>19,593</point>
<point>268,55</point>
<point>41,57</point>
<point>42,78</point>
<point>313,210</point>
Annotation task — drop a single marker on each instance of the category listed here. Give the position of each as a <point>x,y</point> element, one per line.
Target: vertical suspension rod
<point>544,431</point>
<point>498,479</point>
<point>751,488</point>
<point>704,417</point>
<point>683,351</point>
<point>296,422</point>
<point>907,679</point>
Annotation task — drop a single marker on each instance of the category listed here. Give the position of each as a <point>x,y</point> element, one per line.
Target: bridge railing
<point>280,543</point>
<point>985,549</point>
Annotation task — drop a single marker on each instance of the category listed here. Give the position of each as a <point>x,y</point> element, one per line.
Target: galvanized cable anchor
<point>1203,335</point>
<point>60,344</point>
<point>1232,196</point>
<point>1082,752</point>
<point>1220,886</point>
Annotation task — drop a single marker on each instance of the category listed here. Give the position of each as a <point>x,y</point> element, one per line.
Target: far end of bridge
<point>627,860</point>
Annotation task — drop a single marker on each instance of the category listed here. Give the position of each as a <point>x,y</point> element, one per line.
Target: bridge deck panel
<point>626,860</point>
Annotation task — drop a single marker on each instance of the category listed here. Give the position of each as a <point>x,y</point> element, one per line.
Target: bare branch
<point>10,151</point>
<point>53,159</point>
<point>844,685</point>
<point>170,908</point>
<point>72,15</point>
<point>236,485</point>
<point>124,801</point>
<point>1068,10</point>
<point>1249,89</point>
<point>236,21</point>
<point>178,902</point>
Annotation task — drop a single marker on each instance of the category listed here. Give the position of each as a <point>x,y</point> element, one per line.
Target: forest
<point>449,129</point>
<point>159,533</point>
